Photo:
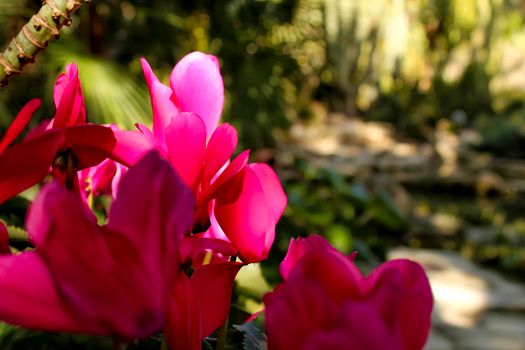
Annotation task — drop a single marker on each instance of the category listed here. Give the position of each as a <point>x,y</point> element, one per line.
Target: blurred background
<point>397,127</point>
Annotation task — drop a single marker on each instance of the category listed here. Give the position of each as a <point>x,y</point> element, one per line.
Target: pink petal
<point>193,247</point>
<point>214,303</point>
<point>300,247</point>
<point>334,272</point>
<point>29,297</point>
<point>186,141</point>
<point>362,322</point>
<point>294,312</point>
<point>91,143</point>
<point>243,214</point>
<point>215,229</point>
<point>68,241</point>
<point>153,210</point>
<point>25,164</point>
<point>41,128</point>
<point>219,150</point>
<point>131,146</point>
<point>20,122</point>
<point>121,170</point>
<point>402,285</point>
<point>229,173</point>
<point>197,87</point>
<point>361,326</point>
<point>162,106</point>
<point>149,136</point>
<point>69,99</point>
<point>162,204</point>
<point>4,240</point>
<point>136,253</point>
<point>103,176</point>
<point>275,196</point>
<point>182,330</point>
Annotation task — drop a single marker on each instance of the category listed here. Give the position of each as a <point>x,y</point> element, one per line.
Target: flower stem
<point>164,345</point>
<point>221,336</point>
<point>36,34</point>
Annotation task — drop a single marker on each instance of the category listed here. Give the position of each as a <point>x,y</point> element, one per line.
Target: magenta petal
<point>41,128</point>
<point>186,141</point>
<point>152,211</point>
<point>402,285</point>
<point>91,143</point>
<point>162,204</point>
<point>214,302</point>
<point>193,247</point>
<point>295,311</point>
<point>26,163</point>
<point>229,172</point>
<point>131,146</point>
<point>102,176</point>
<point>182,330</point>
<point>69,99</point>
<point>215,230</point>
<point>20,122</point>
<point>275,196</point>
<point>149,136</point>
<point>4,240</point>
<point>134,256</point>
<point>338,276</point>
<point>301,247</point>
<point>219,150</point>
<point>29,296</point>
<point>161,104</point>
<point>67,241</point>
<point>197,87</point>
<point>243,214</point>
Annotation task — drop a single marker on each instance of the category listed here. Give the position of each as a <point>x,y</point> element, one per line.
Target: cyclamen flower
<point>241,203</point>
<point>246,200</point>
<point>111,280</point>
<point>326,303</point>
<point>28,162</point>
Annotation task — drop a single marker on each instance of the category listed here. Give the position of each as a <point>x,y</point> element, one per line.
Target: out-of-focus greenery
<point>414,62</point>
<point>411,62</point>
<point>353,216</point>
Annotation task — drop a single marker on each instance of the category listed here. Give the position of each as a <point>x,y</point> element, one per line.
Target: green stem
<point>164,345</point>
<point>36,34</point>
<point>221,336</point>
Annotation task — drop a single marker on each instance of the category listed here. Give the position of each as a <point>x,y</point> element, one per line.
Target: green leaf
<point>254,337</point>
<point>17,233</point>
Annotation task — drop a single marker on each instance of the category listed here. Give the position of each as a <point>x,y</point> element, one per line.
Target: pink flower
<point>326,303</point>
<point>240,203</point>
<point>245,200</point>
<point>28,162</point>
<point>111,280</point>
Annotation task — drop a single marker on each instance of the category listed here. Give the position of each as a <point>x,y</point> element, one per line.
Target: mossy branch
<point>36,34</point>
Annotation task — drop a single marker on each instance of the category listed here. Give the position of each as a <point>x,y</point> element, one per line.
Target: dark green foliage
<point>12,338</point>
<point>351,215</point>
<point>253,333</point>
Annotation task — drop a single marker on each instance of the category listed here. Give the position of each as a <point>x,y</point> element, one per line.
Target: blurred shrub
<point>352,216</point>
<point>253,39</point>
<point>415,62</point>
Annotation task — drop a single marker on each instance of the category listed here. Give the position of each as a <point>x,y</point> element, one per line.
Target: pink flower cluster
<point>181,202</point>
